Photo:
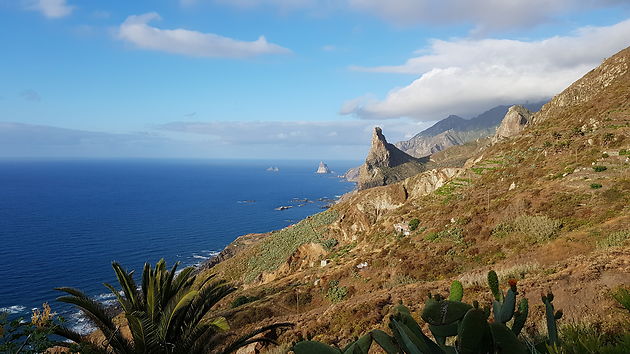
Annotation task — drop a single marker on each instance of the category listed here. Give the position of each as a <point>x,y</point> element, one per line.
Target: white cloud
<point>50,8</point>
<point>484,15</point>
<point>464,76</point>
<point>137,31</point>
<point>284,5</point>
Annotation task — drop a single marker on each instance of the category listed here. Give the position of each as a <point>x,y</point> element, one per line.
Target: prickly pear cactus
<point>457,291</point>
<point>520,316</point>
<point>493,283</point>
<point>551,317</point>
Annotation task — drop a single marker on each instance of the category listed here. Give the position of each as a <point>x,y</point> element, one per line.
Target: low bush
<point>622,295</point>
<point>242,300</point>
<point>596,186</point>
<point>539,227</point>
<point>454,234</point>
<point>336,293</point>
<point>502,230</point>
<point>413,224</point>
<point>615,239</point>
<point>599,168</point>
<point>330,243</point>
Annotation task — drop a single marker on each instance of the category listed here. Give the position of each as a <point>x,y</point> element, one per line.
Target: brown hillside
<point>550,206</point>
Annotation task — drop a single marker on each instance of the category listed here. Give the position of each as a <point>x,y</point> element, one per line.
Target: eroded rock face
<point>352,175</point>
<point>513,123</point>
<point>386,164</point>
<point>367,207</point>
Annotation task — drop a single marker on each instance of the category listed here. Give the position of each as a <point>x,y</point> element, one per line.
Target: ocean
<point>62,223</point>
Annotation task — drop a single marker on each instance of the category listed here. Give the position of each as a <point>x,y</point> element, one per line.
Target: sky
<point>271,79</point>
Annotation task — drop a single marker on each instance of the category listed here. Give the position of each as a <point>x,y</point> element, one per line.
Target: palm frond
<point>128,285</point>
<point>97,314</point>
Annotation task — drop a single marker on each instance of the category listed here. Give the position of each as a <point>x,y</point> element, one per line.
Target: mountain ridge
<point>455,130</point>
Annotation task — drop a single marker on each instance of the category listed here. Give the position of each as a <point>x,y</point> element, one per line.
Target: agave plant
<point>168,313</point>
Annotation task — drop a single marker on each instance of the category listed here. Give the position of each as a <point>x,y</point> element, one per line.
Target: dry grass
<point>518,271</point>
<point>278,349</point>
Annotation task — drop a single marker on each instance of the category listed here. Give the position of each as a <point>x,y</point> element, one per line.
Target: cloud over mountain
<point>469,75</point>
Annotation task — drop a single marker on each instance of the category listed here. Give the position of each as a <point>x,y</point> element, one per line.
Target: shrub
<point>539,227</point>
<point>413,224</point>
<point>622,295</point>
<point>330,243</point>
<point>431,236</point>
<point>242,300</point>
<point>600,168</point>
<point>36,336</point>
<point>335,292</point>
<point>596,186</point>
<point>586,338</point>
<point>454,234</point>
<point>502,230</point>
<point>516,271</point>
<point>615,239</point>
<point>624,152</point>
<point>605,155</point>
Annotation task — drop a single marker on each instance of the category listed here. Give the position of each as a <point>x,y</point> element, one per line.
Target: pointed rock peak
<point>386,164</point>
<point>377,136</point>
<point>384,154</point>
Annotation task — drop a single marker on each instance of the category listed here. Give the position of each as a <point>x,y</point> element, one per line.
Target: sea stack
<point>323,168</point>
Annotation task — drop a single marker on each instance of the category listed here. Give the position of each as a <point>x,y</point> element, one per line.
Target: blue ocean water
<point>62,223</point>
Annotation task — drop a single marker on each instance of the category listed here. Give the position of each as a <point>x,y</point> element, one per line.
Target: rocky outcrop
<point>366,208</point>
<point>386,164</point>
<point>323,168</point>
<point>352,175</point>
<point>513,123</point>
<point>455,130</point>
<point>613,69</point>
<point>427,182</point>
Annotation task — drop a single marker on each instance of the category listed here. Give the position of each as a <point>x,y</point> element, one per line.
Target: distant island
<point>323,168</point>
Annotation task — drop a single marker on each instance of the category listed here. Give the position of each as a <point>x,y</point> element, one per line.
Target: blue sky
<point>194,78</point>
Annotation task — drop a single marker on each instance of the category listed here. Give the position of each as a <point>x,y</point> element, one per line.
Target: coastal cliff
<point>547,204</point>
